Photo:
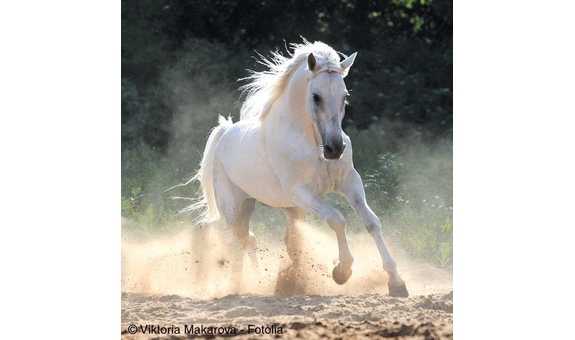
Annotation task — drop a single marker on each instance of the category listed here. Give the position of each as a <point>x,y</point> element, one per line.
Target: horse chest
<point>320,176</point>
<point>329,176</point>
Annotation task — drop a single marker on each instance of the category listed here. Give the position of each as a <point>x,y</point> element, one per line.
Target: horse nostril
<point>337,153</point>
<point>327,152</point>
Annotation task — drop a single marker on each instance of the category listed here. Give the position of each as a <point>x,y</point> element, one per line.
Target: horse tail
<point>206,203</point>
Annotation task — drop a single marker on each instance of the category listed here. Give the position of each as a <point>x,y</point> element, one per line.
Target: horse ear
<point>311,62</point>
<point>346,64</point>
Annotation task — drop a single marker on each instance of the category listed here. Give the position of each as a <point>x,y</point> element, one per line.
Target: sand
<point>193,278</point>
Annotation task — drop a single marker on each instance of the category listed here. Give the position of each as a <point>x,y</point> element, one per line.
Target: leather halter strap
<point>326,68</point>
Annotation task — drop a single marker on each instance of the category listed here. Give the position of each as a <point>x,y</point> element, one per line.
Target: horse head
<point>326,100</point>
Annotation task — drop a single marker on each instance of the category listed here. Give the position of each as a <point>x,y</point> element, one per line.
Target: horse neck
<point>290,108</point>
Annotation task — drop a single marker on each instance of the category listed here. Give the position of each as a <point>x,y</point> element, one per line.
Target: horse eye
<point>316,98</point>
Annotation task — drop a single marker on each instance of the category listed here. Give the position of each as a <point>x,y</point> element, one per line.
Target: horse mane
<point>267,86</point>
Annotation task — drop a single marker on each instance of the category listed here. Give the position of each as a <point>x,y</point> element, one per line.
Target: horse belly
<point>261,185</point>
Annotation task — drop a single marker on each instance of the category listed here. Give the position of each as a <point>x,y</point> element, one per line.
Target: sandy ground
<point>195,278</point>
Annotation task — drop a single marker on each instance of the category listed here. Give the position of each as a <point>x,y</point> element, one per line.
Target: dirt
<point>198,278</point>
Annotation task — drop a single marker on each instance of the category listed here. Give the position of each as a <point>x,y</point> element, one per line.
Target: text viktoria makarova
<point>210,330</point>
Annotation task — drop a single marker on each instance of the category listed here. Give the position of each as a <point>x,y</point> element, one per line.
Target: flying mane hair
<point>266,87</point>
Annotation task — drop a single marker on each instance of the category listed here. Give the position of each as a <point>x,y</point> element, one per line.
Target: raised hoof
<point>338,276</point>
<point>398,291</point>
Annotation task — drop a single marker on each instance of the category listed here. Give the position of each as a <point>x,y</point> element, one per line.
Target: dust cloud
<point>206,263</point>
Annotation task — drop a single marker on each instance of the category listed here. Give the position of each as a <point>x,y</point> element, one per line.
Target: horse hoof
<point>398,291</point>
<point>339,276</point>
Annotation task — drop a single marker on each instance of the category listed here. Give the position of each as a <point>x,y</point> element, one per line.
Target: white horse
<point>287,150</point>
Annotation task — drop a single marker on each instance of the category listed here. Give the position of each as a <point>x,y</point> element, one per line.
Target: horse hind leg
<point>293,279</point>
<point>292,236</point>
<point>236,208</point>
<point>239,224</point>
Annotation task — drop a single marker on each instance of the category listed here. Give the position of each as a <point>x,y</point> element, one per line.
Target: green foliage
<point>424,217</point>
<point>446,248</point>
<point>382,181</point>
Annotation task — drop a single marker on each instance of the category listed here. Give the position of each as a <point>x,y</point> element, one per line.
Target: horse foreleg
<point>353,191</point>
<point>306,200</point>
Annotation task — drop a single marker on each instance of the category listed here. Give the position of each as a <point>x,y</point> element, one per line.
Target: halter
<point>328,67</point>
